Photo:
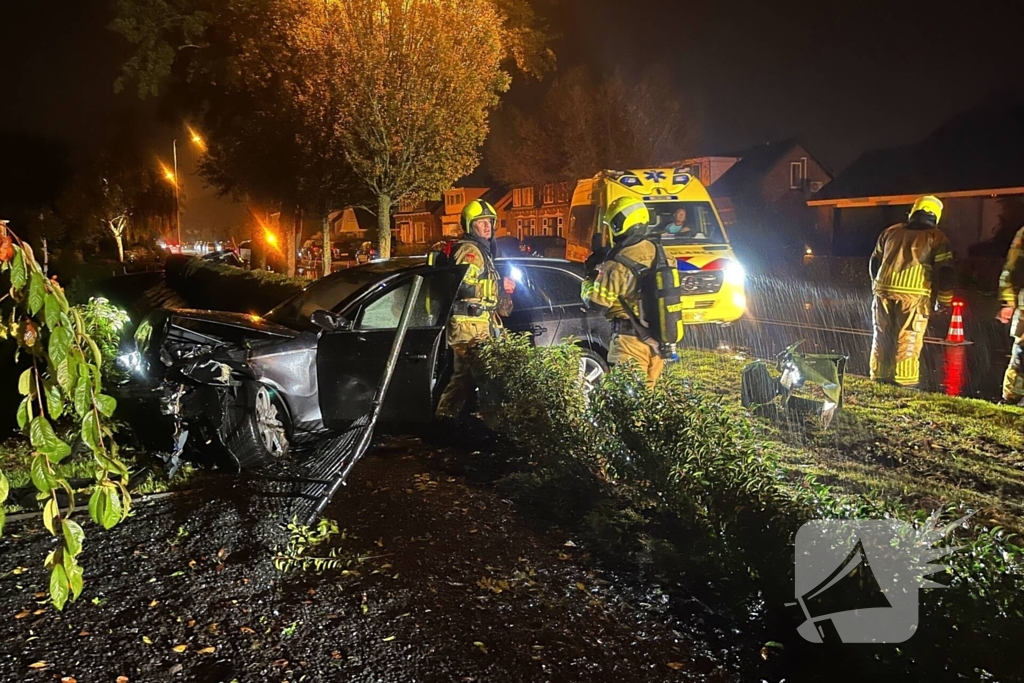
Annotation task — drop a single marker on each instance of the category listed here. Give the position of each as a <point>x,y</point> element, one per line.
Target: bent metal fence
<point>325,471</point>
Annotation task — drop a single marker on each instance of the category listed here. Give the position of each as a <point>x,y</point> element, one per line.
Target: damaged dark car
<point>239,391</point>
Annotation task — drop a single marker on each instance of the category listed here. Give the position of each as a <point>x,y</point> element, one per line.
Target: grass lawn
<point>921,450</point>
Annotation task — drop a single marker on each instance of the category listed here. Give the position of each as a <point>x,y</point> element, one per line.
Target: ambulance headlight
<point>734,273</point>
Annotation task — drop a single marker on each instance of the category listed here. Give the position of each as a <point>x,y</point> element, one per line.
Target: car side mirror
<point>328,321</point>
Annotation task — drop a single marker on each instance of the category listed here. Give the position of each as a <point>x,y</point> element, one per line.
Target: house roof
<point>977,152</point>
<point>753,165</point>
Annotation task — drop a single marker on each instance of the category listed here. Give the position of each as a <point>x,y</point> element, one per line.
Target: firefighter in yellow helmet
<point>474,315</point>
<point>910,260</point>
<point>1011,292</point>
<point>627,220</point>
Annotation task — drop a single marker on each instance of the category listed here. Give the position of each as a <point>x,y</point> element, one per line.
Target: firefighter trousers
<point>462,383</point>
<point>1013,380</point>
<point>899,327</point>
<point>625,347</point>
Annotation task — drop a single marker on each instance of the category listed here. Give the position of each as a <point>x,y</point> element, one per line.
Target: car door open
<point>351,362</point>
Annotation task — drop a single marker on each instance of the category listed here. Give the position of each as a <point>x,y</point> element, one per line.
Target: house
<point>972,163</point>
<point>418,221</point>
<point>536,210</point>
<point>352,224</point>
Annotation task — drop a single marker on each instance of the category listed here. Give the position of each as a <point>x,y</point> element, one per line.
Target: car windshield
<point>685,222</point>
<point>329,292</point>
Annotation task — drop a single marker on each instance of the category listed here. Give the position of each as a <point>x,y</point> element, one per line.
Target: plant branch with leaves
<point>63,382</point>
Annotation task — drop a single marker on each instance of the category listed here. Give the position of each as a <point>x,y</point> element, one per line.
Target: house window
<point>519,228</point>
<point>420,235</point>
<point>797,173</point>
<point>562,195</point>
<point>522,196</point>
<point>455,198</point>
<point>559,232</point>
<point>549,194</point>
<point>405,232</point>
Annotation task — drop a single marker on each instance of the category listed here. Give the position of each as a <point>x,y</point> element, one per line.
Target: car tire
<point>254,428</point>
<point>593,366</point>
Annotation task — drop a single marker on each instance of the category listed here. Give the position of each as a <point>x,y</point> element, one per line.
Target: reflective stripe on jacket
<point>912,261</point>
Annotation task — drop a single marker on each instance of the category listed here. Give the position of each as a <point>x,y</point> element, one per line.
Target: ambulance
<point>689,226</point>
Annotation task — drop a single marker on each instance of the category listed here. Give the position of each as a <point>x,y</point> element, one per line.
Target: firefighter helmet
<point>625,215</point>
<point>475,210</point>
<point>927,210</point>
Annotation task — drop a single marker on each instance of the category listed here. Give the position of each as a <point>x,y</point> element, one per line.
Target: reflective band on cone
<point>956,324</point>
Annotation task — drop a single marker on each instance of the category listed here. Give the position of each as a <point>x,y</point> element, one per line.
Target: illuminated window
<point>797,173</point>
<point>549,194</point>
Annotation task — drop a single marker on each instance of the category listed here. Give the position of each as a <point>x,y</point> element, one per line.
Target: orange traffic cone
<point>956,324</point>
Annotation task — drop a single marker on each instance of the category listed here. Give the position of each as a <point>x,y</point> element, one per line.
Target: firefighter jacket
<point>613,279</point>
<point>910,260</point>
<point>1011,283</point>
<point>475,311</point>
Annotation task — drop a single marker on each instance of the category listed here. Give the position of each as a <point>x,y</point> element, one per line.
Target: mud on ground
<point>441,581</point>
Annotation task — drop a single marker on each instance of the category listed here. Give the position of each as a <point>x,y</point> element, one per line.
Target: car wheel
<point>257,435</point>
<point>592,368</point>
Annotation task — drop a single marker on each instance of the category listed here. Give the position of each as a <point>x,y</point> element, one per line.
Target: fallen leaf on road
<point>389,639</point>
<point>246,629</point>
<point>570,544</point>
<point>207,650</point>
<point>122,679</point>
<point>84,633</point>
<point>336,655</point>
<point>146,640</point>
<point>581,586</point>
<point>180,648</point>
<point>41,595</point>
<point>22,614</point>
<point>222,553</point>
<point>483,648</point>
<point>38,665</point>
<point>68,679</point>
<point>563,557</point>
<point>38,612</point>
<point>154,603</point>
<point>675,665</point>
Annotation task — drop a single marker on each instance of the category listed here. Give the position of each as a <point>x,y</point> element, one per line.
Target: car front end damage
<point>218,381</point>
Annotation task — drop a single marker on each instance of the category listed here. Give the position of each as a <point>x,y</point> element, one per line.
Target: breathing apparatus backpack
<point>661,301</point>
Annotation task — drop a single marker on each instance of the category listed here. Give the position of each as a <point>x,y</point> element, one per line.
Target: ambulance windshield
<point>685,222</point>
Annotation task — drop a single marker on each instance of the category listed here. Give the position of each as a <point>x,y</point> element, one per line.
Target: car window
<point>538,287</point>
<point>435,299</point>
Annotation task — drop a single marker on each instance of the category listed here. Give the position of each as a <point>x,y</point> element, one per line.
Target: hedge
<point>221,287</point>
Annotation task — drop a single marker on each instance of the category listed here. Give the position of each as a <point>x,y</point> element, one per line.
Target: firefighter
<point>1011,292</point>
<point>909,261</point>
<point>474,315</point>
<point>628,219</point>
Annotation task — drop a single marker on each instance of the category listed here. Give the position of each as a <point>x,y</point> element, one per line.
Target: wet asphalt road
<point>441,582</point>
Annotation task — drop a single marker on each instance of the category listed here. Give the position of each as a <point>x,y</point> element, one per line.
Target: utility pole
<point>177,204</point>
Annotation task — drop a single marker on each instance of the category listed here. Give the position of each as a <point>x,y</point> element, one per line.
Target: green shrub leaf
<point>59,586</point>
<point>91,431</point>
<point>24,412</point>
<point>50,515</point>
<point>36,293</point>
<point>45,441</point>
<point>51,308</point>
<point>18,275</point>
<point>60,342</point>
<point>106,404</point>
<point>25,382</point>
<point>54,400</point>
<point>5,489</point>
<point>73,536</point>
<point>40,474</point>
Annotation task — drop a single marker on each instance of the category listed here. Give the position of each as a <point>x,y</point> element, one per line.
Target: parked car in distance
<point>243,389</point>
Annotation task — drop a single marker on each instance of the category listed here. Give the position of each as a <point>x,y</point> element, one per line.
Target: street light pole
<point>177,204</point>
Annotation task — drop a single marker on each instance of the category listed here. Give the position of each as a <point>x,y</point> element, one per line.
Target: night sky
<point>843,76</point>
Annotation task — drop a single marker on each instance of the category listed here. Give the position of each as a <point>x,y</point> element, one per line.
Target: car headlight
<point>130,362</point>
<point>734,273</point>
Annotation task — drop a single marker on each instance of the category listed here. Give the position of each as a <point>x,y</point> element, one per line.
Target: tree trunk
<point>120,242</point>
<point>384,226</point>
<point>325,230</point>
<point>46,259</point>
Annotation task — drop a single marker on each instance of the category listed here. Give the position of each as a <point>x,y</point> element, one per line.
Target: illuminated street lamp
<point>172,176</point>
